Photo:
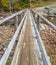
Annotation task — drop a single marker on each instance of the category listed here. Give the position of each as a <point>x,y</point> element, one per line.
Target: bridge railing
<point>45,57</point>
<point>39,16</point>
<point>10,17</point>
<point>13,19</point>
<point>12,42</point>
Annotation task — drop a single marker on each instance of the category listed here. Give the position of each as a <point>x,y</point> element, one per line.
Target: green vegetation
<point>44,3</point>
<point>14,4</point>
<point>9,62</point>
<point>40,3</point>
<point>6,5</point>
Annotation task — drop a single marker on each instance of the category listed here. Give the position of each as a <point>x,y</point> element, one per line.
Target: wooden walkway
<point>30,49</point>
<point>27,56</point>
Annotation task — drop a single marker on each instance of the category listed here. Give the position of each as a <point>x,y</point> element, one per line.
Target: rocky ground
<point>6,33</point>
<point>49,38</point>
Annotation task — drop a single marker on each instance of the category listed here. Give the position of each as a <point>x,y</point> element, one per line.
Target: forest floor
<point>49,39</point>
<point>6,34</point>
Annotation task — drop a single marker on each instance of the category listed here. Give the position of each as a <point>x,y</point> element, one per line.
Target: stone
<point>1,40</point>
<point>4,49</point>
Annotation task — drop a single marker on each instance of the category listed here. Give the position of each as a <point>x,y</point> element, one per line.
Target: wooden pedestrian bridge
<point>30,49</point>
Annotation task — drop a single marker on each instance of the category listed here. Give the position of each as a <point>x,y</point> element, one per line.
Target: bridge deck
<point>27,56</point>
<point>30,49</point>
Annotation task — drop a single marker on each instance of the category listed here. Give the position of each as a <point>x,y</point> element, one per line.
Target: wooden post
<point>38,22</point>
<point>36,18</point>
<point>16,22</point>
<point>16,25</point>
<point>34,15</point>
<point>23,13</point>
